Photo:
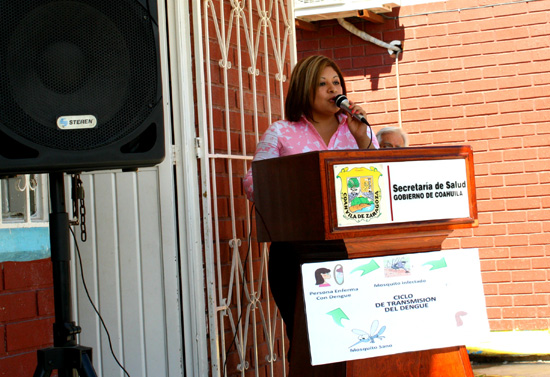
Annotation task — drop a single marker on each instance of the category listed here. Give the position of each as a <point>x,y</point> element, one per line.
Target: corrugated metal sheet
<point>131,271</point>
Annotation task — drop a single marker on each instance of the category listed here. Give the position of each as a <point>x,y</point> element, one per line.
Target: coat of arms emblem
<point>360,194</point>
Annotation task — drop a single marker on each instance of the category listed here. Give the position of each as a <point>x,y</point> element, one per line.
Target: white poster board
<point>368,307</point>
<point>395,192</point>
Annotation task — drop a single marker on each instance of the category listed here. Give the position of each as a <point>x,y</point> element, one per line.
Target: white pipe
<point>398,90</point>
<point>393,47</point>
<point>361,34</point>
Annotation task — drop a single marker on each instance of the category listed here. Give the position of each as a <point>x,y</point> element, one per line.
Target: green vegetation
<point>361,200</point>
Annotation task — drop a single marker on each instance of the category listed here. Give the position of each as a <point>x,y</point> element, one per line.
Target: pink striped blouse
<point>284,138</point>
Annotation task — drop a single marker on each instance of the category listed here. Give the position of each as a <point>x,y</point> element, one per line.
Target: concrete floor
<point>512,354</point>
<point>512,369</point>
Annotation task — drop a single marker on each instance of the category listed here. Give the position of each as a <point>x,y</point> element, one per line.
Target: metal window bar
<point>245,295</point>
<point>24,201</point>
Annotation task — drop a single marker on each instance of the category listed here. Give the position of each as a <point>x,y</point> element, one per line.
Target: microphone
<point>342,102</point>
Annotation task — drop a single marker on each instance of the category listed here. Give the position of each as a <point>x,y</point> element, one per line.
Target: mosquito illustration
<point>365,337</point>
<point>400,264</point>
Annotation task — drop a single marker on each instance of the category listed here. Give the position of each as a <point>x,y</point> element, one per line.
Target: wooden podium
<point>297,199</point>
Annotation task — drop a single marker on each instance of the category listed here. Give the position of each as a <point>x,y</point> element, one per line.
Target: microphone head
<point>339,99</point>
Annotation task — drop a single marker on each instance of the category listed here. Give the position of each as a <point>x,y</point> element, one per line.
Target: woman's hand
<point>359,129</point>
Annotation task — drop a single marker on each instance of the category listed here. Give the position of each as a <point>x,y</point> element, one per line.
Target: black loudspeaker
<point>80,86</point>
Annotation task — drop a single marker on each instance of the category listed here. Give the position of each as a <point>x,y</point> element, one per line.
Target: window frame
<point>37,192</point>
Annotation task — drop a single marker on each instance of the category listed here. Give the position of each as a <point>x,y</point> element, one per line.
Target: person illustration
<point>321,276</point>
<point>313,122</point>
<point>392,137</point>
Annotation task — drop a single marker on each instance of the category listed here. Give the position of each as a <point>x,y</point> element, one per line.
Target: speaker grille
<point>66,58</point>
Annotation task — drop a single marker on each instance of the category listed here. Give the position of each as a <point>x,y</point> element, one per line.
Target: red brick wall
<point>26,315</point>
<point>479,77</point>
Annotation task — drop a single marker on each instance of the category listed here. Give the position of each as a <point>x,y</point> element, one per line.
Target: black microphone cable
<point>93,305</point>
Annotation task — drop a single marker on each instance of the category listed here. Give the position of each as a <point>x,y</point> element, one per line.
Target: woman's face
<point>328,87</point>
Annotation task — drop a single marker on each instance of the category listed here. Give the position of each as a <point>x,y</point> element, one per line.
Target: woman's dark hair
<point>303,85</point>
<point>318,278</point>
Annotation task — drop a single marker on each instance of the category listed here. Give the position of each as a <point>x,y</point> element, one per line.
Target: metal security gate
<point>243,51</point>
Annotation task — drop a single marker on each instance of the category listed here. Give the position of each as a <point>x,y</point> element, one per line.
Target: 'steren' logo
<point>75,122</point>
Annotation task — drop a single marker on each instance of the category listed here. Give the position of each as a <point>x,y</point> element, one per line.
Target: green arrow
<point>338,315</point>
<point>437,264</point>
<point>366,268</point>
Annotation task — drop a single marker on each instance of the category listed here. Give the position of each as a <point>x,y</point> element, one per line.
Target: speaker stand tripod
<point>66,356</point>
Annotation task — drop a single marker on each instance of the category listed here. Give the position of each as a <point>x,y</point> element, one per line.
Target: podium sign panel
<point>352,194</point>
<point>368,307</point>
<point>397,192</point>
